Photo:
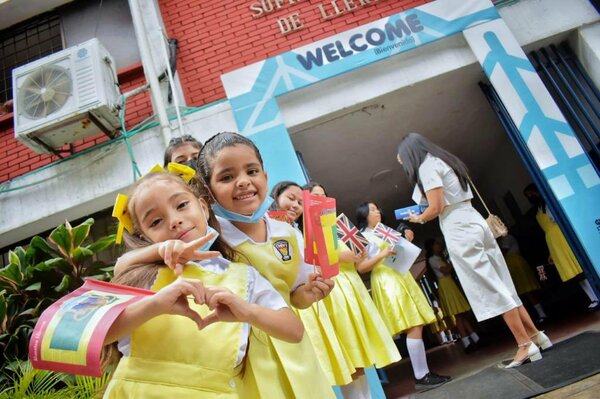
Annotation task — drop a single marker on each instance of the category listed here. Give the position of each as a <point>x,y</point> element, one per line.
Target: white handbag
<point>495,224</point>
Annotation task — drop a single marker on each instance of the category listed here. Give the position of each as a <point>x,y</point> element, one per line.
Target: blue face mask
<point>236,217</point>
<point>206,246</point>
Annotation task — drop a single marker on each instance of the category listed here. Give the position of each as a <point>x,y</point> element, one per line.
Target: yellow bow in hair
<point>120,212</point>
<point>183,171</point>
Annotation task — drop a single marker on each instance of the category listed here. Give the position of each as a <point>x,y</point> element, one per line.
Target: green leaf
<point>2,312</point>
<point>39,243</point>
<point>28,312</point>
<point>11,274</point>
<point>102,243</point>
<point>13,258</point>
<point>80,233</point>
<point>64,284</point>
<point>34,286</point>
<point>81,253</point>
<point>60,264</point>
<point>62,239</point>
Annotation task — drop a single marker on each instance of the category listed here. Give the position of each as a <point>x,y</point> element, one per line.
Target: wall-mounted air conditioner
<point>66,97</point>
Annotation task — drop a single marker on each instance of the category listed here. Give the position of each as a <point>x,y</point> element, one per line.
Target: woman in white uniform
<point>441,181</point>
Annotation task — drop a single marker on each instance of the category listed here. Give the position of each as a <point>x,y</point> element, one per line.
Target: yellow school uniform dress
<point>400,301</point>
<point>276,369</point>
<point>361,330</point>
<point>168,357</point>
<point>452,300</point>
<point>521,273</point>
<point>560,251</point>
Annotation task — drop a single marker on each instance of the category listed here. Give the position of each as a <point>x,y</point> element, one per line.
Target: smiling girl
<point>198,355</point>
<point>232,167</point>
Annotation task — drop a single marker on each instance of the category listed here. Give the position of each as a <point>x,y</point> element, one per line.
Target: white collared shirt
<point>435,173</point>
<point>235,237</point>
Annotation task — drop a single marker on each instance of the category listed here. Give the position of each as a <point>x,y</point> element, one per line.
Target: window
<point>26,42</point>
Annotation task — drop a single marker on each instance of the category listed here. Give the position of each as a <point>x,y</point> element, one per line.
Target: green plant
<point>27,382</point>
<point>30,383</point>
<point>41,273</point>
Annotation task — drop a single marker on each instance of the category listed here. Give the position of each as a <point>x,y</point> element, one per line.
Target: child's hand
<point>227,306</point>
<point>349,256</point>
<point>177,253</point>
<point>387,251</point>
<point>319,286</point>
<point>173,299</point>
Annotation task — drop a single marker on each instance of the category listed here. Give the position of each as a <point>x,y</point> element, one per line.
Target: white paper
<point>406,255</point>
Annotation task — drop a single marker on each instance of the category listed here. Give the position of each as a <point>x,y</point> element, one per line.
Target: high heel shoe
<point>541,340</point>
<point>533,355</point>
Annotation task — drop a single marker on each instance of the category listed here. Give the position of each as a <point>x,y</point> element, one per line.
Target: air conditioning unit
<point>66,97</point>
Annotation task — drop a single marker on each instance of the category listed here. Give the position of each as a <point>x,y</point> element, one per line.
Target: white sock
<point>465,341</point>
<point>364,384</point>
<point>540,310</point>
<point>474,337</point>
<point>443,337</point>
<point>416,352</point>
<point>353,390</point>
<point>587,288</point>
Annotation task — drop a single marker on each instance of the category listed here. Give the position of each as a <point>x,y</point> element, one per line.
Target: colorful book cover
<point>69,335</point>
<point>386,233</point>
<point>350,235</point>
<point>320,234</point>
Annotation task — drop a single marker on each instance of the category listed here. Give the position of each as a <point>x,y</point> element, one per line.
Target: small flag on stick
<point>350,235</point>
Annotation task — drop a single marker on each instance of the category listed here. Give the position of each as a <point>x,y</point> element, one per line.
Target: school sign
<point>574,181</point>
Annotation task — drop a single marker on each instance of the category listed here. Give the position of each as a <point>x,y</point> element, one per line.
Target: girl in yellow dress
<point>452,300</point>
<point>197,355</point>
<point>401,303</point>
<point>332,355</point>
<point>560,252</point>
<point>526,283</point>
<point>232,168</point>
<point>349,308</point>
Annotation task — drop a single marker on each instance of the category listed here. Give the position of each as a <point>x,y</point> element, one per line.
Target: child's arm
<point>172,299</point>
<point>369,263</point>
<point>280,323</point>
<point>175,254</point>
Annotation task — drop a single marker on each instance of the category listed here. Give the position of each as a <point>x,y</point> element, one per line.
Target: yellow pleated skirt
<point>452,300</point>
<point>400,301</point>
<point>521,274</point>
<point>359,327</point>
<point>277,369</point>
<point>333,358</point>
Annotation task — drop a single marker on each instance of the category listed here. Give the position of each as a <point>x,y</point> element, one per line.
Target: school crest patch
<point>282,250</point>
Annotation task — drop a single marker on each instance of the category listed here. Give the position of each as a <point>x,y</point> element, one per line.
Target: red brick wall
<point>220,36</point>
<point>16,159</point>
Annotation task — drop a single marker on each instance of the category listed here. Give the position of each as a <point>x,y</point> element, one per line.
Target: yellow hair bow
<point>183,171</point>
<point>120,212</point>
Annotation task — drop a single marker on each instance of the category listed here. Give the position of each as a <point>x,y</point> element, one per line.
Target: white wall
<point>89,183</point>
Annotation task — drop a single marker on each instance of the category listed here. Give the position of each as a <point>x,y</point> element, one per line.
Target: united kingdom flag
<point>387,234</point>
<point>350,235</point>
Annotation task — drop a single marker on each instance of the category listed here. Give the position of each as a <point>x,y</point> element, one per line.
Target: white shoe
<point>533,355</point>
<point>542,340</point>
